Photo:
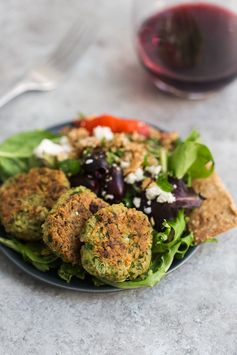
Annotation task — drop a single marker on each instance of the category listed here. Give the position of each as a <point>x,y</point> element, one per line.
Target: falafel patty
<point>117,245</point>
<point>26,199</point>
<point>64,224</point>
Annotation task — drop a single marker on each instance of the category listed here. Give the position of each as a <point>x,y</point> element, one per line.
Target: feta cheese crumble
<point>147,210</point>
<point>101,133</point>
<point>154,170</point>
<point>161,196</point>
<point>152,192</point>
<point>166,197</point>
<point>136,176</point>
<point>59,150</point>
<point>137,202</point>
<point>89,161</point>
<point>109,197</point>
<point>124,164</point>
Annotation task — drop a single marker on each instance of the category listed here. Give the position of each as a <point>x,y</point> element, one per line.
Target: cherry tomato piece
<point>116,124</point>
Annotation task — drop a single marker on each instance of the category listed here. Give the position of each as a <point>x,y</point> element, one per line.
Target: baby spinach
<point>16,152</point>
<point>191,159</point>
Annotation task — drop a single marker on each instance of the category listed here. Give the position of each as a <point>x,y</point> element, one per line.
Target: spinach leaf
<point>16,153</point>
<point>191,159</point>
<point>21,145</point>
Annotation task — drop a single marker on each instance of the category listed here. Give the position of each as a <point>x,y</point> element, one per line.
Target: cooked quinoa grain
<point>117,244</point>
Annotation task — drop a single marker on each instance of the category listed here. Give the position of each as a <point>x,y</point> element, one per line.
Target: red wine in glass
<point>191,48</point>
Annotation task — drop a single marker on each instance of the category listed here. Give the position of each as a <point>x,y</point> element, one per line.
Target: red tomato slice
<point>116,124</point>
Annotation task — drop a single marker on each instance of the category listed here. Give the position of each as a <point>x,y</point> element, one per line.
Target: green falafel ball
<point>117,245</point>
<point>65,222</point>
<point>26,199</point>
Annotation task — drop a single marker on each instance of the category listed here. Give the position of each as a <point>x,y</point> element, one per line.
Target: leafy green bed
<point>189,160</point>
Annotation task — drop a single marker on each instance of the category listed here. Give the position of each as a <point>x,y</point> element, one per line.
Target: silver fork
<point>46,76</point>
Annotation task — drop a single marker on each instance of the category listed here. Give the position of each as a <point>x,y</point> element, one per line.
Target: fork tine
<point>78,38</point>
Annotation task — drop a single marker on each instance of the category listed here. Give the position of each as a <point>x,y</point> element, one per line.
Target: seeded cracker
<point>217,214</point>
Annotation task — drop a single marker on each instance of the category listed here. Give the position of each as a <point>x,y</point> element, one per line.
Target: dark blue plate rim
<point>51,277</point>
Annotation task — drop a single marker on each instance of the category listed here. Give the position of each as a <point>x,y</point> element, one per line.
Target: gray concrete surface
<point>194,310</point>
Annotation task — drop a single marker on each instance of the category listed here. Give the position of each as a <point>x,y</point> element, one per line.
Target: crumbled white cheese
<point>109,197</point>
<point>137,176</point>
<point>101,133</point>
<point>137,202</point>
<point>162,196</point>
<point>147,210</point>
<point>49,148</point>
<point>89,161</point>
<point>124,164</point>
<point>152,192</point>
<point>154,170</point>
<point>166,197</point>
<point>130,178</point>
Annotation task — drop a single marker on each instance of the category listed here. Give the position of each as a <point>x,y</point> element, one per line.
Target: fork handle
<point>20,88</point>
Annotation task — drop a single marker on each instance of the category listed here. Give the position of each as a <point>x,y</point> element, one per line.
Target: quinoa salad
<point>110,200</point>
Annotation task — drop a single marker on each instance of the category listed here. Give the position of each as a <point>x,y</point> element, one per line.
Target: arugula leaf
<point>16,153</point>
<point>67,271</point>
<point>167,245</point>
<point>35,253</point>
<point>70,166</point>
<point>191,159</point>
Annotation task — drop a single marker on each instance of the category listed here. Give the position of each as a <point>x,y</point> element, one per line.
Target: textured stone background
<point>194,310</point>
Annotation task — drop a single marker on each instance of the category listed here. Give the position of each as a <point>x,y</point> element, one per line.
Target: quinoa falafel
<point>117,245</point>
<point>26,199</point>
<point>64,224</point>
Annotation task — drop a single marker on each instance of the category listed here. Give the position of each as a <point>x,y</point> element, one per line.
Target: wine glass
<point>189,48</point>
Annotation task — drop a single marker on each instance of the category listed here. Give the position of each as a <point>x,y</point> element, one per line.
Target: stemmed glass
<point>189,48</point>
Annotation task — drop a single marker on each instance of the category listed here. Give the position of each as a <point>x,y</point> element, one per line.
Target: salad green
<point>16,152</point>
<point>187,160</point>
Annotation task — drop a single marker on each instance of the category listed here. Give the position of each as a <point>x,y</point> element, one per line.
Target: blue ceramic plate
<point>52,278</point>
